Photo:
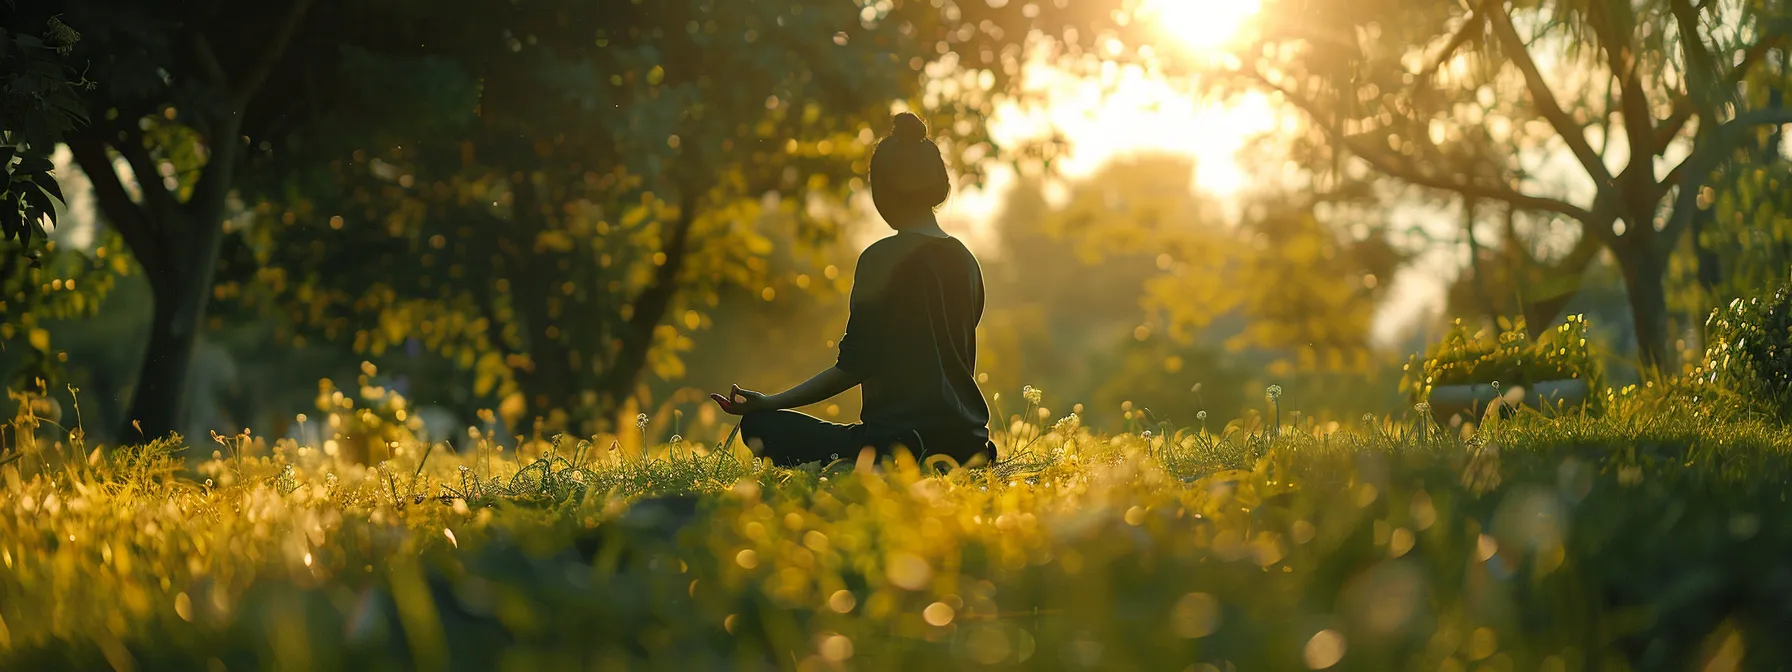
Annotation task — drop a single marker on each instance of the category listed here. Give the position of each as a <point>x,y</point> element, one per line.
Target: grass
<point>1652,537</point>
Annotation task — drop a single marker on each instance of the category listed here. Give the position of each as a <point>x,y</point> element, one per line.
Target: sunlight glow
<point>1202,24</point>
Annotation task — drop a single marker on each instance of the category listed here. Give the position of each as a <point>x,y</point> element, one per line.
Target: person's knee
<point>754,427</point>
<point>756,421</point>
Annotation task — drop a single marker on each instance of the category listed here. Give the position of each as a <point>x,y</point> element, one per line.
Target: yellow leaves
<point>1195,615</point>
<point>488,372</point>
<point>512,408</point>
<point>909,572</point>
<point>554,241</point>
<point>663,359</point>
<point>634,216</point>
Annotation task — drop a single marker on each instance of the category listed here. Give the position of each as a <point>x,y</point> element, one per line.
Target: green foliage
<point>1741,236</point>
<point>1635,540</point>
<point>59,285</point>
<point>1749,350</point>
<point>1511,358</point>
<point>39,102</point>
<point>1452,102</point>
<point>559,216</point>
<point>1136,290</point>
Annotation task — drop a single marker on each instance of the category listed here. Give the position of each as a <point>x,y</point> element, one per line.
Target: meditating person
<point>911,339</point>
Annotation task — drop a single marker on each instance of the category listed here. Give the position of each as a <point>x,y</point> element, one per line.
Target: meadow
<point>1643,537</point>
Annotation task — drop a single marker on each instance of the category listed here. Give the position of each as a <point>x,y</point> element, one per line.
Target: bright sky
<point>1142,114</point>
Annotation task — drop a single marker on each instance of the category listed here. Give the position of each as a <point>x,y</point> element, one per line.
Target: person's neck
<point>924,223</point>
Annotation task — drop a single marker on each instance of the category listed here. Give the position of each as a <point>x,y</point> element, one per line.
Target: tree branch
<point>1701,66</point>
<point>1476,19</point>
<point>1697,167</point>
<point>275,46</point>
<point>208,60</point>
<point>156,198</point>
<point>131,221</point>
<point>1684,108</point>
<point>1540,311</point>
<point>1616,38</point>
<point>1547,105</point>
<point>1405,172</point>
<point>651,305</point>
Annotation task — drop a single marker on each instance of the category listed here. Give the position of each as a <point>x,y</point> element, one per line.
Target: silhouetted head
<point>908,176</point>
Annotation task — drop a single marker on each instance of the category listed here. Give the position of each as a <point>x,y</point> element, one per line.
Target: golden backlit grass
<point>1647,538</point>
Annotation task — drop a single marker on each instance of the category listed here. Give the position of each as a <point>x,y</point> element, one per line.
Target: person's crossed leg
<point>789,438</point>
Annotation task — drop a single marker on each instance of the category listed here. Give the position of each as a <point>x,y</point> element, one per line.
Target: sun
<point>1203,25</point>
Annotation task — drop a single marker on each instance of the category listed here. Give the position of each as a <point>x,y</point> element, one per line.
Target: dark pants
<point>789,438</point>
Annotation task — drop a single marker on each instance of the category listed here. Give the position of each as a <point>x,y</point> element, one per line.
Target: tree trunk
<point>548,384</point>
<point>191,244</point>
<point>158,402</point>
<point>624,374</point>
<point>1644,273</point>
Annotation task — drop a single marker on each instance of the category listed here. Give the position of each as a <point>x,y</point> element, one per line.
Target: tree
<point>1741,238</point>
<point>563,199</point>
<point>180,83</point>
<point>39,102</point>
<point>1136,266</point>
<point>208,99</point>
<point>1486,102</point>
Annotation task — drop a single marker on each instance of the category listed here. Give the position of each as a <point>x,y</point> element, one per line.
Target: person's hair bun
<point>909,127</point>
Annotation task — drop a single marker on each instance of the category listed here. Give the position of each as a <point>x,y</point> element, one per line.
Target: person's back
<point>911,341</point>
<point>913,337</point>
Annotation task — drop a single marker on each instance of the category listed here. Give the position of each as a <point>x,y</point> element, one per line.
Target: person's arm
<point>818,388</point>
<point>858,351</point>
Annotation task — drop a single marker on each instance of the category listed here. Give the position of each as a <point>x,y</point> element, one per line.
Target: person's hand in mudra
<point>741,401</point>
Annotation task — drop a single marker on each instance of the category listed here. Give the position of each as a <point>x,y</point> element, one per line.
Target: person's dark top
<point>912,338</point>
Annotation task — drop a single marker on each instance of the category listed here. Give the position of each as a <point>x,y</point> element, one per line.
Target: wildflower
<point>1273,392</point>
<point>1146,435</point>
<point>641,421</point>
<point>1422,407</point>
<point>1068,424</point>
<point>1201,415</point>
<point>1368,418</point>
<point>1032,394</point>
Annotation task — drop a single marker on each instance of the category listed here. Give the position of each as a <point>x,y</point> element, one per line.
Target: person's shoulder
<point>886,250</point>
<point>962,250</point>
<point>881,247</point>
